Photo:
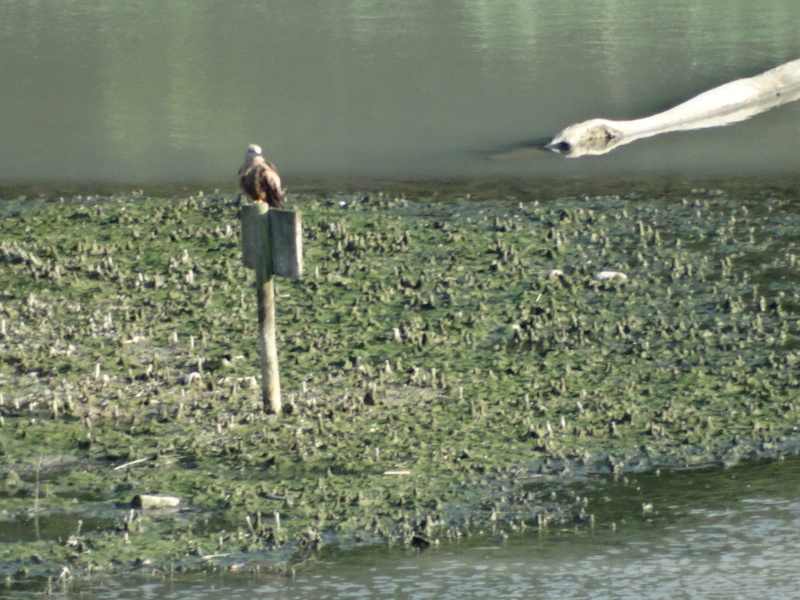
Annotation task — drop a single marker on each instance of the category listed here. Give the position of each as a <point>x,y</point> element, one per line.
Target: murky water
<point>146,92</point>
<point>700,535</point>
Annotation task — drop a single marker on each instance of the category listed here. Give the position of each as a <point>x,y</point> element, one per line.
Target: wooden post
<point>270,375</point>
<point>258,255</point>
<point>271,245</point>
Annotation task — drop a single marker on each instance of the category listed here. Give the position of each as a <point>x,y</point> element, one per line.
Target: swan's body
<point>723,105</point>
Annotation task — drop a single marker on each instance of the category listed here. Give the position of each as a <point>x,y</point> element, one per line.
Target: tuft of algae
<point>450,368</point>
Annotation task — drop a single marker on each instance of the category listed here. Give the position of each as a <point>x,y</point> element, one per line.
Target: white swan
<point>728,103</point>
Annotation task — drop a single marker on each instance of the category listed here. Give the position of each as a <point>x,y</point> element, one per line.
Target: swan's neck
<point>729,103</point>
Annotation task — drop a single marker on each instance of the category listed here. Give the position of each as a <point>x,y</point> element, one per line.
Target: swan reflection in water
<point>723,105</point>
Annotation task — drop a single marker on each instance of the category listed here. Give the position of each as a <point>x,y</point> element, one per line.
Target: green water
<point>146,93</point>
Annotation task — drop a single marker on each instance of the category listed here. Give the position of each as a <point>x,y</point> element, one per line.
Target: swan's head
<point>597,136</point>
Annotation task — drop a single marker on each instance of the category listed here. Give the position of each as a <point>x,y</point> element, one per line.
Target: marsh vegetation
<point>450,365</point>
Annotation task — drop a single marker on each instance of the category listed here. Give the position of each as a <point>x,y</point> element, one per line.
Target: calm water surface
<point>150,91</point>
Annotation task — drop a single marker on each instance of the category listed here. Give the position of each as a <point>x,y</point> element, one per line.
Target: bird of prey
<point>259,179</point>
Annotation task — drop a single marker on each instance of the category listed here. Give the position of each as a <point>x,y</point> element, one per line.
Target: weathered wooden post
<point>271,245</point>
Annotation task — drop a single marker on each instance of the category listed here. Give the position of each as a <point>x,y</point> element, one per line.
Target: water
<point>151,92</point>
<point>710,535</point>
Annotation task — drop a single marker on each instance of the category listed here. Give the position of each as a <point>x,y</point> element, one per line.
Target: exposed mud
<point>451,366</point>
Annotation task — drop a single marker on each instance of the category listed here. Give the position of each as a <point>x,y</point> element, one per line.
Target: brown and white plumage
<point>259,179</point>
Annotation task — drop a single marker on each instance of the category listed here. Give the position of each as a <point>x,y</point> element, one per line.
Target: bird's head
<point>597,136</point>
<point>253,150</point>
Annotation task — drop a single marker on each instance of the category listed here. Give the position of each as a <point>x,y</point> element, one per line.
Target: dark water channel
<point>706,534</point>
<point>144,92</point>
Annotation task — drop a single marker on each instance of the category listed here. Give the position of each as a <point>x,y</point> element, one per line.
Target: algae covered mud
<point>451,367</point>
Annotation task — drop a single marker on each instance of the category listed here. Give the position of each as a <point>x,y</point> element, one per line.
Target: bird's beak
<point>562,148</point>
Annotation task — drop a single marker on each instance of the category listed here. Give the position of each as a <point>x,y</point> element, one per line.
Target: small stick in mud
<point>130,464</point>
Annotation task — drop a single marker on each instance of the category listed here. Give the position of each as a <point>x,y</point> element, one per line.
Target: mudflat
<point>452,360</point>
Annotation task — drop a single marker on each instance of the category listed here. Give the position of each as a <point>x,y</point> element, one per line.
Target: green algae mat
<point>449,365</point>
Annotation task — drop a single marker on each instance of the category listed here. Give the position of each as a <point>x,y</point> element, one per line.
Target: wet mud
<point>453,364</point>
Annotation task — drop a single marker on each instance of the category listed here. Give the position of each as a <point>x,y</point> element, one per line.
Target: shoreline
<point>543,188</point>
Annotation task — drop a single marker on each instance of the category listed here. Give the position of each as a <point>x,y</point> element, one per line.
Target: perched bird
<point>259,179</point>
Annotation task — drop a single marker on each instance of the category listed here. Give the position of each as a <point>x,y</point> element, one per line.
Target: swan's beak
<point>563,148</point>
